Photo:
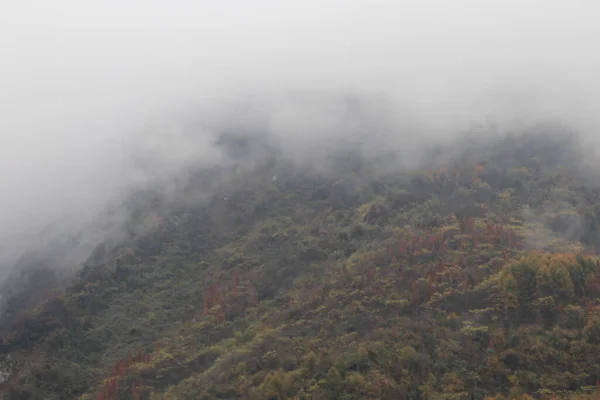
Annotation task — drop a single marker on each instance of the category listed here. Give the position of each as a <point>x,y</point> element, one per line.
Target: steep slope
<point>472,277</point>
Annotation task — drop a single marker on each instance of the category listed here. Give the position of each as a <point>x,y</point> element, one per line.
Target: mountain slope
<point>471,276</point>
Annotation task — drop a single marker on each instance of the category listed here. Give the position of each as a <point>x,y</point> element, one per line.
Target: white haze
<point>86,85</point>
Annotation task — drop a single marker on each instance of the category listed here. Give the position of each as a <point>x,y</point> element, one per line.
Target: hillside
<point>471,275</point>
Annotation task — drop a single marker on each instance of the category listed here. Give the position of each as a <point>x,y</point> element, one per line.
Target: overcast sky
<point>78,79</point>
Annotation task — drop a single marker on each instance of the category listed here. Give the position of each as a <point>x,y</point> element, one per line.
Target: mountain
<point>472,274</point>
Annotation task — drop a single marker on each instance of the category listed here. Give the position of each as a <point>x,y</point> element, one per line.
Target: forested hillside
<point>472,275</point>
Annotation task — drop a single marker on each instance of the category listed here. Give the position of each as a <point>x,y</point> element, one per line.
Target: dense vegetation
<point>473,277</point>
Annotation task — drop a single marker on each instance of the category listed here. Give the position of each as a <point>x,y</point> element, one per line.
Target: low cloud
<point>101,97</point>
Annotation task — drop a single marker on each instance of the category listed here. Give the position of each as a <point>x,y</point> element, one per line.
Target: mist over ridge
<point>102,99</point>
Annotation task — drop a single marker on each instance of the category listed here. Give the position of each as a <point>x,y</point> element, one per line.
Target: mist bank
<point>349,137</point>
<point>110,98</point>
<point>59,222</point>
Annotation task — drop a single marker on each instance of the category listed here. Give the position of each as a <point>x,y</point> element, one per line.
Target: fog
<point>88,89</point>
